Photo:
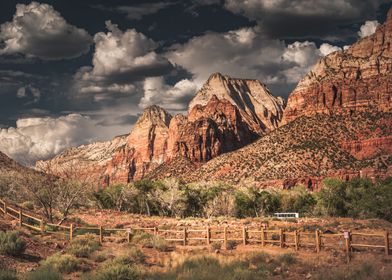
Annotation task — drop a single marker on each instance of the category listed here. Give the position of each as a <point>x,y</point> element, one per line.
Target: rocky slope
<point>354,79</point>
<point>87,162</point>
<point>226,114</point>
<point>305,151</point>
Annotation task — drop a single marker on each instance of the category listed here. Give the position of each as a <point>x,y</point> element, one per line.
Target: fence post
<point>281,237</point>
<point>317,241</point>
<point>225,237</point>
<point>208,235</point>
<point>100,234</point>
<point>185,237</point>
<point>262,237</point>
<point>347,237</point>
<point>70,232</point>
<point>20,217</point>
<point>296,240</point>
<point>386,238</point>
<point>42,226</point>
<point>244,235</point>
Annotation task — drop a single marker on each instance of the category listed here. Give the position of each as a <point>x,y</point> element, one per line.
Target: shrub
<point>216,245</point>
<point>159,244</point>
<point>46,273</point>
<point>132,256</point>
<point>231,245</point>
<point>8,275</point>
<point>62,263</point>
<point>287,259</point>
<point>83,246</point>
<point>11,243</point>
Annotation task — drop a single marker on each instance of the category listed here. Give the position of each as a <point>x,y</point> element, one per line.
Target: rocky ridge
<point>354,79</point>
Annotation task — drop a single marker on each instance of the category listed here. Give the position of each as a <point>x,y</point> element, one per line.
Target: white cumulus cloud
<point>38,30</point>
<point>40,138</point>
<point>120,59</point>
<point>176,97</point>
<point>368,28</point>
<point>326,49</point>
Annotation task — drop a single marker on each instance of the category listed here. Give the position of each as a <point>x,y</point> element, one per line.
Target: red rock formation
<point>362,149</point>
<point>354,79</point>
<point>225,114</point>
<point>145,148</point>
<point>210,130</point>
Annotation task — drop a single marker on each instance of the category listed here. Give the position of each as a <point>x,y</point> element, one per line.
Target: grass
<point>150,241</point>
<point>11,244</point>
<point>8,275</point>
<point>46,273</point>
<point>210,268</point>
<point>362,271</point>
<point>83,246</point>
<point>62,263</point>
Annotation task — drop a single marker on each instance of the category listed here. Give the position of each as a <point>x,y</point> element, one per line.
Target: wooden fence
<point>263,236</point>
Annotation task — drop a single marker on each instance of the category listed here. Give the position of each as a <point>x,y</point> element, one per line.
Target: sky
<point>73,72</point>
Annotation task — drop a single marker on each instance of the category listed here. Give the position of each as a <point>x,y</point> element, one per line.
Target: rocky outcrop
<point>145,148</point>
<point>358,78</point>
<point>226,114</point>
<point>211,130</point>
<point>250,96</point>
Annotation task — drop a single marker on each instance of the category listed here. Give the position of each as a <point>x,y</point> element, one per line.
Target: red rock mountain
<point>338,122</point>
<point>226,114</point>
<point>354,79</point>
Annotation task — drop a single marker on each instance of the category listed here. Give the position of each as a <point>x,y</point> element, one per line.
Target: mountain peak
<point>154,114</point>
<point>250,96</point>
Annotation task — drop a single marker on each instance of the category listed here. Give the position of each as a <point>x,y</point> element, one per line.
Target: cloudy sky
<point>73,72</point>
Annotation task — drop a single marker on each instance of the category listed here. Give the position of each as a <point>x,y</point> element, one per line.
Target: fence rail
<point>262,236</point>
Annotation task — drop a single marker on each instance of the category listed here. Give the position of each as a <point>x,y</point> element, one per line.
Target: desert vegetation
<point>355,198</point>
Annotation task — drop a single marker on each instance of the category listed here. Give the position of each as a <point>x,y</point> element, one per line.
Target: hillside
<point>305,150</point>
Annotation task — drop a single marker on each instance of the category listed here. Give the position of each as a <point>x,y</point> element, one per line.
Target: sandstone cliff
<point>226,114</point>
<point>145,148</point>
<point>354,79</point>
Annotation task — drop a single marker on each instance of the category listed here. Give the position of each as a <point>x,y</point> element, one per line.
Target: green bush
<point>62,263</point>
<point>46,273</point>
<point>8,275</point>
<point>83,246</point>
<point>11,243</point>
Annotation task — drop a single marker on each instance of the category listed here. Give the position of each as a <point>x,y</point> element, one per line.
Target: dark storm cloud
<point>306,18</point>
<point>137,11</point>
<point>37,30</point>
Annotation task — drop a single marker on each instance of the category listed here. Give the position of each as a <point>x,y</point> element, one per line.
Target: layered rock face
<point>355,79</point>
<point>146,147</point>
<point>225,114</point>
<point>250,96</point>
